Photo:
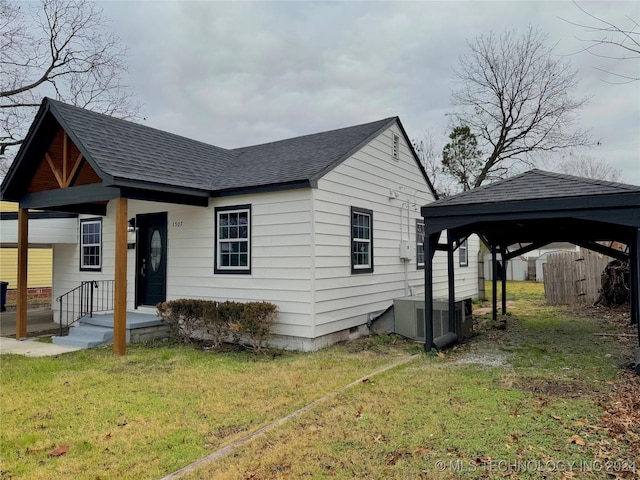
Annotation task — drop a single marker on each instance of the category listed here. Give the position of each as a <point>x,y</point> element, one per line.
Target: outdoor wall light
<point>131,233</point>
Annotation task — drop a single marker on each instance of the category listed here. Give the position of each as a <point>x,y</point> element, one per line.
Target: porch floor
<point>135,320</point>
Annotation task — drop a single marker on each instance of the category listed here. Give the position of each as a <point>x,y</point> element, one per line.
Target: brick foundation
<point>38,293</point>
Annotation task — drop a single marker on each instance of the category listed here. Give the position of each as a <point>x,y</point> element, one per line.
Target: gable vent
<point>396,147</point>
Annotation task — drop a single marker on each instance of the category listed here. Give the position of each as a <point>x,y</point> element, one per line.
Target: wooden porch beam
<point>120,288</point>
<point>23,250</point>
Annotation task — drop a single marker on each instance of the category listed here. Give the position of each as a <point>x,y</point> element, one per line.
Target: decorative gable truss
<point>67,164</point>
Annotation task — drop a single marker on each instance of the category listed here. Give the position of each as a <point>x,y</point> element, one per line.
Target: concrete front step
<point>98,330</point>
<point>86,336</point>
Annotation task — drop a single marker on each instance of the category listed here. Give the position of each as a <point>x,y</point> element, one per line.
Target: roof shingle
<point>127,150</point>
<point>535,185</point>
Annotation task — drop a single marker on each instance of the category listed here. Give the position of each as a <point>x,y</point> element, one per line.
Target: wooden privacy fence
<point>573,277</point>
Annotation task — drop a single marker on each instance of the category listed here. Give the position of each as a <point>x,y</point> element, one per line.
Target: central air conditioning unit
<point>409,318</point>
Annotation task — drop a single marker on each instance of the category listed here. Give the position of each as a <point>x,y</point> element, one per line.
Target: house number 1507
<point>177,224</point>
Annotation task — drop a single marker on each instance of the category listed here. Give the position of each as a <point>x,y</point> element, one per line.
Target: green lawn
<point>515,395</point>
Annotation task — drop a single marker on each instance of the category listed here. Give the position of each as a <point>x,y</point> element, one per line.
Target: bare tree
<point>429,156</point>
<point>515,96</point>
<point>611,41</point>
<point>61,49</point>
<point>589,167</point>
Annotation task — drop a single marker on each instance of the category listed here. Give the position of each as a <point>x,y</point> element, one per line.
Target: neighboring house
<point>47,228</point>
<point>326,226</point>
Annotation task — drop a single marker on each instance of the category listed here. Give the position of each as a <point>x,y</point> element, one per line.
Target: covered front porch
<point>63,167</point>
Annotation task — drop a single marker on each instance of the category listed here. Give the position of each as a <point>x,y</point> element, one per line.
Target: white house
<point>326,226</point>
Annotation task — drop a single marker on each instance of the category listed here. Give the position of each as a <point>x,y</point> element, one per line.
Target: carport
<point>526,212</point>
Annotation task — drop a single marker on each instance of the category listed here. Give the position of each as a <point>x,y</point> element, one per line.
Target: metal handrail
<point>89,297</point>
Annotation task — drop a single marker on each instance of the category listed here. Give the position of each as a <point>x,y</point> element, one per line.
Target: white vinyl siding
<point>280,256</point>
<point>343,300</point>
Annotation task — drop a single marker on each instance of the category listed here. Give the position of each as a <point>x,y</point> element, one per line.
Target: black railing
<point>90,297</point>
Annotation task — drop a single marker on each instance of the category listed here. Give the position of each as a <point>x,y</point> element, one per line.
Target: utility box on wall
<point>409,318</point>
<point>406,250</point>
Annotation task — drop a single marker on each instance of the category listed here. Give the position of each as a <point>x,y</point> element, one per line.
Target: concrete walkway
<point>39,322</point>
<point>32,348</point>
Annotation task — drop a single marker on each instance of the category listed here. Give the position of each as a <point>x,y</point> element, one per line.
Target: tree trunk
<point>615,284</point>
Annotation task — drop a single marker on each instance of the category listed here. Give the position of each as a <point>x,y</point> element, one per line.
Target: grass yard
<point>540,394</point>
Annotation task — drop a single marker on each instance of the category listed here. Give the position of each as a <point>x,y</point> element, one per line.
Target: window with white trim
<point>361,240</point>
<point>395,151</point>
<point>91,244</point>
<point>420,243</point>
<point>233,239</point>
<point>463,252</point>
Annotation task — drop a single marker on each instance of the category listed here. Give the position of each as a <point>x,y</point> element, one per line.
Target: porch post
<point>120,288</point>
<point>23,252</point>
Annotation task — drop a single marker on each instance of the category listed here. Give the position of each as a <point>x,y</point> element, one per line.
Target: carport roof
<point>540,207</point>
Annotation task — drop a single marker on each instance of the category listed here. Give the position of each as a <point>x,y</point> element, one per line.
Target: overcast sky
<point>235,74</point>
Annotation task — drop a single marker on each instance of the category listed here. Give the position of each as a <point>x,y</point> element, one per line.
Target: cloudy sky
<point>235,74</point>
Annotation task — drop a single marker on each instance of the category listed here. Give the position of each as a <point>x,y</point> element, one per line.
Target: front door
<point>151,261</point>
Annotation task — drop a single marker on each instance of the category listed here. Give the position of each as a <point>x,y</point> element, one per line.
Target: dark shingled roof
<point>130,151</point>
<point>124,149</point>
<point>535,185</point>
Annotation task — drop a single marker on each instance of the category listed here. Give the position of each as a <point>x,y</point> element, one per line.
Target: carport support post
<point>23,252</point>
<point>429,251</point>
<point>120,288</point>
<point>451,283</point>
<point>634,264</point>
<point>494,281</point>
<point>504,284</point>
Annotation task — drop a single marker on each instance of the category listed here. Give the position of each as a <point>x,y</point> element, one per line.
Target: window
<point>420,243</point>
<point>463,251</point>
<point>91,244</point>
<point>233,239</point>
<point>396,147</point>
<point>361,240</point>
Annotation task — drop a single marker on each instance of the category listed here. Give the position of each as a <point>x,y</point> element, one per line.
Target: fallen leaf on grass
<point>441,355</point>
<point>482,460</point>
<point>556,417</point>
<point>577,439</point>
<point>58,452</point>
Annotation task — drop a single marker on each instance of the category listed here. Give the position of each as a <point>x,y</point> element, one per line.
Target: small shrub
<point>215,325</point>
<point>184,316</point>
<point>255,322</point>
<point>219,320</point>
